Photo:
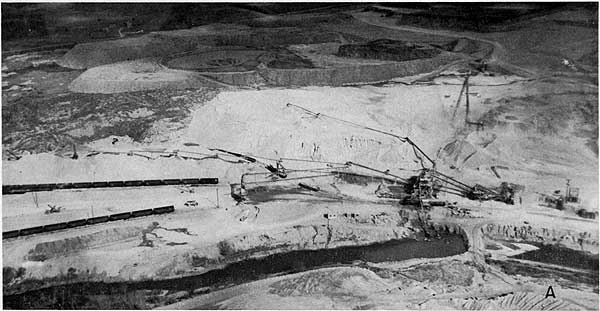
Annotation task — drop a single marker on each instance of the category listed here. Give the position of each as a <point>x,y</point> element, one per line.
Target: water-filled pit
<point>130,295</point>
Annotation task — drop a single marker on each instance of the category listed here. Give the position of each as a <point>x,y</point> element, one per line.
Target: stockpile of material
<point>131,76</point>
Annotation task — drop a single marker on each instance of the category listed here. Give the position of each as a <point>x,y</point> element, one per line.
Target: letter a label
<point>550,292</point>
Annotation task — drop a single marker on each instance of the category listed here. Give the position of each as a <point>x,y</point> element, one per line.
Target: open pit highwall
<point>333,76</point>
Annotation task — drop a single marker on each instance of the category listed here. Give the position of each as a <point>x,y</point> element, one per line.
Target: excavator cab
<point>425,189</point>
<point>572,194</point>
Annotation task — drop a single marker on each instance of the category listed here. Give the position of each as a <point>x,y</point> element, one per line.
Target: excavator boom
<point>418,151</point>
<point>429,181</point>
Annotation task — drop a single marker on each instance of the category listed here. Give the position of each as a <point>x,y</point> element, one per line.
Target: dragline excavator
<point>429,182</point>
<point>421,189</point>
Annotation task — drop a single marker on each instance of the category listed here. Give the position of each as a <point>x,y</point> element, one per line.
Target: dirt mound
<point>163,44</point>
<point>131,76</point>
<point>386,49</point>
<point>454,273</point>
<point>87,55</point>
<point>329,282</point>
<point>155,44</point>
<point>473,151</point>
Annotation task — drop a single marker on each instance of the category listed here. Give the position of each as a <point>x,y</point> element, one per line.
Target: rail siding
<point>87,221</point>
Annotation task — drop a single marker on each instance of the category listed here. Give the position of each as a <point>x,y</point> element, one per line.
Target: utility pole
<point>217,196</point>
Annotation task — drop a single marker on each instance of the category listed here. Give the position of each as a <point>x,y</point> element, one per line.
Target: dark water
<point>565,278</point>
<point>96,295</point>
<point>560,255</point>
<point>557,255</point>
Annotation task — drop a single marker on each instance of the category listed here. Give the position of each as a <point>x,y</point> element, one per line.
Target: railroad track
<point>87,221</point>
<point>20,189</point>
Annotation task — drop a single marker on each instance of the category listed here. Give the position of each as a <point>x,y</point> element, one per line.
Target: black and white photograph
<point>300,155</point>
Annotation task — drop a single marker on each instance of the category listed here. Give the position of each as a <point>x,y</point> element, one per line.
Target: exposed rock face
<point>572,239</point>
<point>386,49</point>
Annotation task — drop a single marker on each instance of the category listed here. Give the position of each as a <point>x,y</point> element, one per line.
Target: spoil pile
<point>155,44</point>
<point>166,43</point>
<point>131,76</point>
<point>329,282</point>
<point>87,55</point>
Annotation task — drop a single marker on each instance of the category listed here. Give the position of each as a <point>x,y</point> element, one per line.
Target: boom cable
<point>403,139</point>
